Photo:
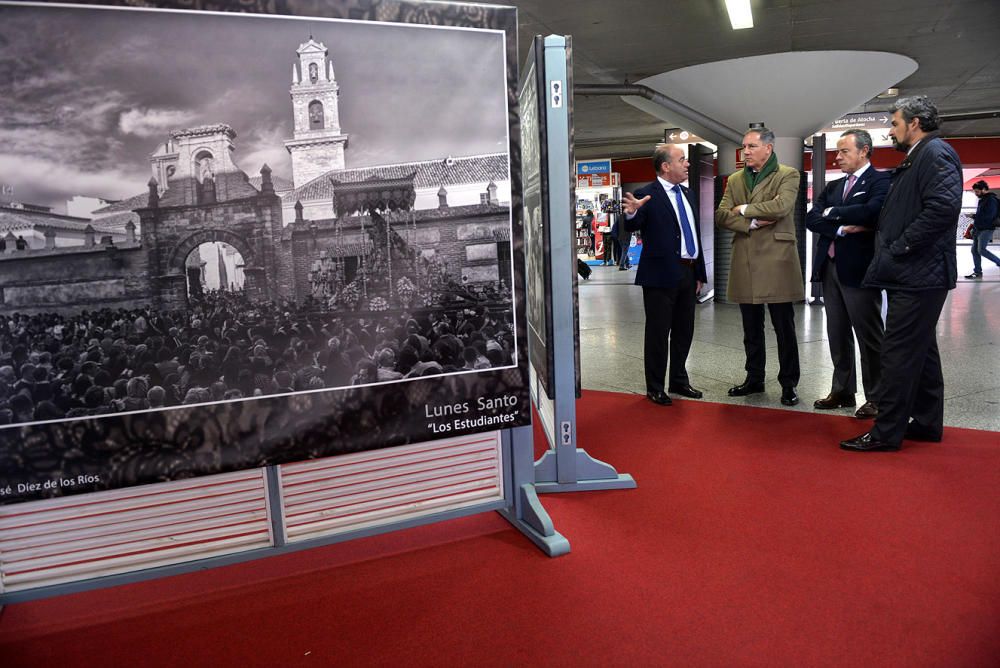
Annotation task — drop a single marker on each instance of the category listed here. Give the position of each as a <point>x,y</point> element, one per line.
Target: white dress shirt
<point>668,188</point>
<point>687,253</point>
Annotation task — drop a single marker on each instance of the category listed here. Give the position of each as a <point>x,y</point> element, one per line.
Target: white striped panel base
<point>88,536</point>
<point>336,495</point>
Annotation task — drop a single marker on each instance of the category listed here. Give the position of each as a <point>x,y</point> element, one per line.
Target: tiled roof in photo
<point>240,185</point>
<point>117,221</point>
<point>12,220</point>
<point>135,202</point>
<point>428,174</point>
<point>280,184</point>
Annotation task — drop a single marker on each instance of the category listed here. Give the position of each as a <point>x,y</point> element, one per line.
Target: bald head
<point>670,163</point>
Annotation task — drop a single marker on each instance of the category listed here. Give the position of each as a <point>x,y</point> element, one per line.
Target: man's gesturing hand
<point>630,204</point>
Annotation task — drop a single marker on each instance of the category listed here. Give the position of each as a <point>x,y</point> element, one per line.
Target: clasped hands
<point>854,229</point>
<point>761,222</point>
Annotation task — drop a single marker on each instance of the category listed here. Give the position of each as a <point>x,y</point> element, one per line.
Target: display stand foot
<point>590,474</point>
<point>535,523</point>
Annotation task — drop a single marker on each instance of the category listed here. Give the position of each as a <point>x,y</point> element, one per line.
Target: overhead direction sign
<point>679,136</point>
<point>877,124</point>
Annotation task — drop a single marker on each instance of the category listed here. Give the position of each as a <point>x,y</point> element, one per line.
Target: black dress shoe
<point>917,432</point>
<point>748,387</point>
<point>867,411</point>
<point>867,443</point>
<point>685,391</point>
<point>788,396</point>
<point>659,397</point>
<point>833,400</point>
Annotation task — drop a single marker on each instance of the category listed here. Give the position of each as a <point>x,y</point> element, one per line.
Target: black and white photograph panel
<point>221,207</point>
<point>212,210</point>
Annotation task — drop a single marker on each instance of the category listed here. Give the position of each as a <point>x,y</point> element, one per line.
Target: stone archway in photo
<point>256,277</point>
<point>243,217</point>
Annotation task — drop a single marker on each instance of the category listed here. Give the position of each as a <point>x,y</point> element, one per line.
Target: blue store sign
<point>593,167</point>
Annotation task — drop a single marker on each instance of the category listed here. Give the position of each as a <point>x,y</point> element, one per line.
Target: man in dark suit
<point>915,264</point>
<point>844,216</point>
<point>671,271</point>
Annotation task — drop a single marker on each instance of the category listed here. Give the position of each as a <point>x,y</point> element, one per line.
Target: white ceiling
<point>779,89</point>
<point>955,44</point>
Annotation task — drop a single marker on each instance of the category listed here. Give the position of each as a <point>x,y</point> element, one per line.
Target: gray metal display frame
<point>565,467</point>
<point>520,506</point>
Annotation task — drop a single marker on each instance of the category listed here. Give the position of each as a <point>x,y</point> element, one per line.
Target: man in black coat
<point>622,239</point>
<point>915,263</point>
<point>983,225</point>
<point>671,271</point>
<point>844,216</point>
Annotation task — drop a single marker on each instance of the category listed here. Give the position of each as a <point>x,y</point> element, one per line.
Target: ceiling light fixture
<point>739,14</point>
<point>890,92</point>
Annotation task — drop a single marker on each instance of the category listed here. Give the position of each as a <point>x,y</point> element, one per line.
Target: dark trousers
<point>616,248</point>
<point>912,384</point>
<point>783,321</point>
<point>981,239</point>
<point>851,311</point>
<point>669,316</point>
<point>621,248</point>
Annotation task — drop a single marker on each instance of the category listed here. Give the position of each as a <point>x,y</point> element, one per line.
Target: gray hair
<point>919,107</point>
<point>766,136</point>
<point>861,138</point>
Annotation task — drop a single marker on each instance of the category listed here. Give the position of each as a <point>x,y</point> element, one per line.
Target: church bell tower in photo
<point>318,144</point>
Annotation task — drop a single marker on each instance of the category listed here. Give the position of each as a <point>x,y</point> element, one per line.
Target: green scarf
<point>752,179</point>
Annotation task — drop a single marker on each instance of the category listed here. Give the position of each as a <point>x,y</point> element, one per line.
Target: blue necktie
<point>685,223</point>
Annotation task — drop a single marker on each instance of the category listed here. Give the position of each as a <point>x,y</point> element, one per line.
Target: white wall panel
<point>58,541</point>
<point>106,533</point>
<point>366,489</point>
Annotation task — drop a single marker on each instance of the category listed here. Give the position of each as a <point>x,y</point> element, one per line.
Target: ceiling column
<point>723,245</point>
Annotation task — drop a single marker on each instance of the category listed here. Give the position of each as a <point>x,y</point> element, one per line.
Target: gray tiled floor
<point>611,332</point>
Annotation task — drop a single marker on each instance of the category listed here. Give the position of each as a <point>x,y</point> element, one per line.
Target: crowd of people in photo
<point>223,348</point>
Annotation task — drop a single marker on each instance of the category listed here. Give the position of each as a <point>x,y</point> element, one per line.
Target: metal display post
<point>565,467</point>
<point>818,184</point>
<point>526,512</point>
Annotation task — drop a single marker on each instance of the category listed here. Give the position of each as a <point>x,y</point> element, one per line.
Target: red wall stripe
<point>972,151</point>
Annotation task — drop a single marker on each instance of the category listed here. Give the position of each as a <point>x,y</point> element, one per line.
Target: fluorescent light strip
<point>739,14</point>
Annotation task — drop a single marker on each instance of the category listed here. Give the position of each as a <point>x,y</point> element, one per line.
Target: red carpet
<point>751,540</point>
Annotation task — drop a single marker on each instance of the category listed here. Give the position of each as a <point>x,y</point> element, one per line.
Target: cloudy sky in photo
<point>88,94</point>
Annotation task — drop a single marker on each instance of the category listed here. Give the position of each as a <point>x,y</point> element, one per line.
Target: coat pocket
<point>784,236</point>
